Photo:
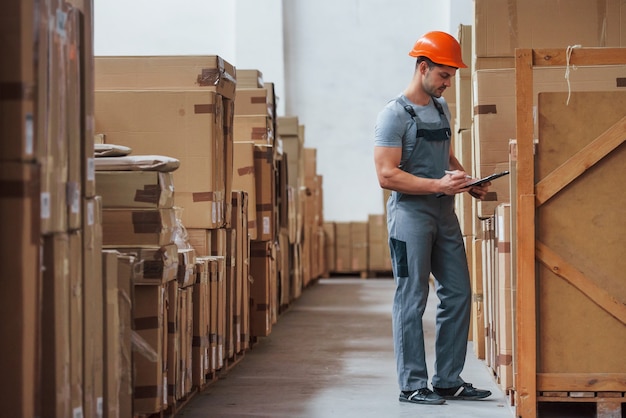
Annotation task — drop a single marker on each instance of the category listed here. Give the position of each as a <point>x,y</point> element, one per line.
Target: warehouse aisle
<point>331,355</point>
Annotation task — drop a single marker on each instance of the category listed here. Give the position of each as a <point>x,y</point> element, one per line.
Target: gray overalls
<point>424,237</point>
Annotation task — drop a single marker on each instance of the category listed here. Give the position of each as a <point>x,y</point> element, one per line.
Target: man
<point>414,159</point>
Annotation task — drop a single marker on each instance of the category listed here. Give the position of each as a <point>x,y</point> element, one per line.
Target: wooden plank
<point>579,56</point>
<point>525,317</point>
<point>581,382</point>
<point>563,269</point>
<point>581,161</point>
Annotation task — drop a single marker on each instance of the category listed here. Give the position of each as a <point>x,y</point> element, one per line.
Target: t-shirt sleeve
<point>389,129</point>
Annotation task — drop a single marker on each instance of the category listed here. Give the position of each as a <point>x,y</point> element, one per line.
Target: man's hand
<point>454,182</point>
<point>479,192</point>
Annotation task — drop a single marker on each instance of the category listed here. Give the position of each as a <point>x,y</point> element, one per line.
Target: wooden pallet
<point>607,404</point>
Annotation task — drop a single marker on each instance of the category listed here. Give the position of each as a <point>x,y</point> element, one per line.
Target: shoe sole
<point>437,402</point>
<point>466,398</point>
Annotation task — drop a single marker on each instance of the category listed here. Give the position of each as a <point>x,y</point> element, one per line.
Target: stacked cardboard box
<point>138,218</point>
<point>44,109</point>
<point>255,135</point>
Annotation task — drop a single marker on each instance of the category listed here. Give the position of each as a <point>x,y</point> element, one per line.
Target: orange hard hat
<point>440,47</point>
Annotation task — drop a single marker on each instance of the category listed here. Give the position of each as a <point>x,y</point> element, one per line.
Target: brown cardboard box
<point>330,246</point>
<point>500,26</point>
<point>76,320</point>
<point>244,179</point>
<point>230,261</point>
<point>125,272</point>
<point>116,346</point>
<point>213,316</point>
<point>378,247</point>
<point>93,309</point>
<point>261,253</point>
<point>229,155</point>
<point>249,78</point>
<point>135,189</point>
<point>505,320</point>
<point>176,72</point>
<point>173,341</point>
<point>55,333</point>
<point>139,227</point>
<point>240,214</point>
<point>265,192</point>
<point>287,126</point>
<point>253,102</point>
<point>343,247</point>
<point>358,238</point>
<point>19,301</point>
<point>186,125</point>
<point>201,311</point>
<point>17,31</point>
<point>155,264</point>
<point>148,323</point>
<point>186,267</point>
<point>186,342</point>
<point>253,128</point>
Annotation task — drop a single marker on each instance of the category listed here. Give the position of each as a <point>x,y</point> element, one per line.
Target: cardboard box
<point>139,227</point>
<point>244,179</point>
<point>249,78</point>
<point>330,246</point>
<point>173,341</point>
<point>343,247</point>
<point>265,192</point>
<point>358,237</point>
<point>186,125</point>
<point>149,386</point>
<point>55,333</point>
<point>158,72</point>
<point>257,129</point>
<point>186,267</point>
<point>135,189</point>
<point>76,320</point>
<point>93,299</point>
<point>17,32</point>
<point>154,264</point>
<point>505,320</point>
<point>287,126</point>
<point>229,155</point>
<point>500,26</point>
<point>240,214</point>
<point>19,295</point>
<point>112,329</point>
<point>254,101</point>
<point>126,265</point>
<point>201,312</point>
<point>379,259</point>
<point>261,258</point>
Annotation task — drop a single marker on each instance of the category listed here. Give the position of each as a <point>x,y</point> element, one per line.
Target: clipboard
<point>487,179</point>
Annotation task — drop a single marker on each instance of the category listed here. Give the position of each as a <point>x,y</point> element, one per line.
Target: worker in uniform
<point>414,160</point>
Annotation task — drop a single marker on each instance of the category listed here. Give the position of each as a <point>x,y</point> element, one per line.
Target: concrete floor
<point>331,355</point>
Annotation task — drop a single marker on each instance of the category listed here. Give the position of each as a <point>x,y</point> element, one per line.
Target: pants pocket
<point>399,257</point>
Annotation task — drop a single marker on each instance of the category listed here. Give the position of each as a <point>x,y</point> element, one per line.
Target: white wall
<point>334,64</point>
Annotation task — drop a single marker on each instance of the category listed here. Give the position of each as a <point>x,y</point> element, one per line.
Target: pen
<point>452,172</point>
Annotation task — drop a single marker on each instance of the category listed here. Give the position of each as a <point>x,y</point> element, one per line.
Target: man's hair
<point>427,60</point>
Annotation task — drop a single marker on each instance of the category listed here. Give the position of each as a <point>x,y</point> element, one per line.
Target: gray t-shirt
<point>395,128</point>
<point>393,121</point>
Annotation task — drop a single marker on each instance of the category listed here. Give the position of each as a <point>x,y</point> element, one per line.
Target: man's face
<point>437,79</point>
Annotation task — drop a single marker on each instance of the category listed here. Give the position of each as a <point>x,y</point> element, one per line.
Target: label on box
<point>61,24</point>
<point>77,412</point>
<point>99,407</point>
<point>29,133</point>
<point>91,213</point>
<point>266,225</point>
<point>45,205</point>
<point>214,212</point>
<point>91,169</point>
<point>73,196</point>
<point>164,390</point>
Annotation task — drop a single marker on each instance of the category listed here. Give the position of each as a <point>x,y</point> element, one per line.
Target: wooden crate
<point>569,221</point>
